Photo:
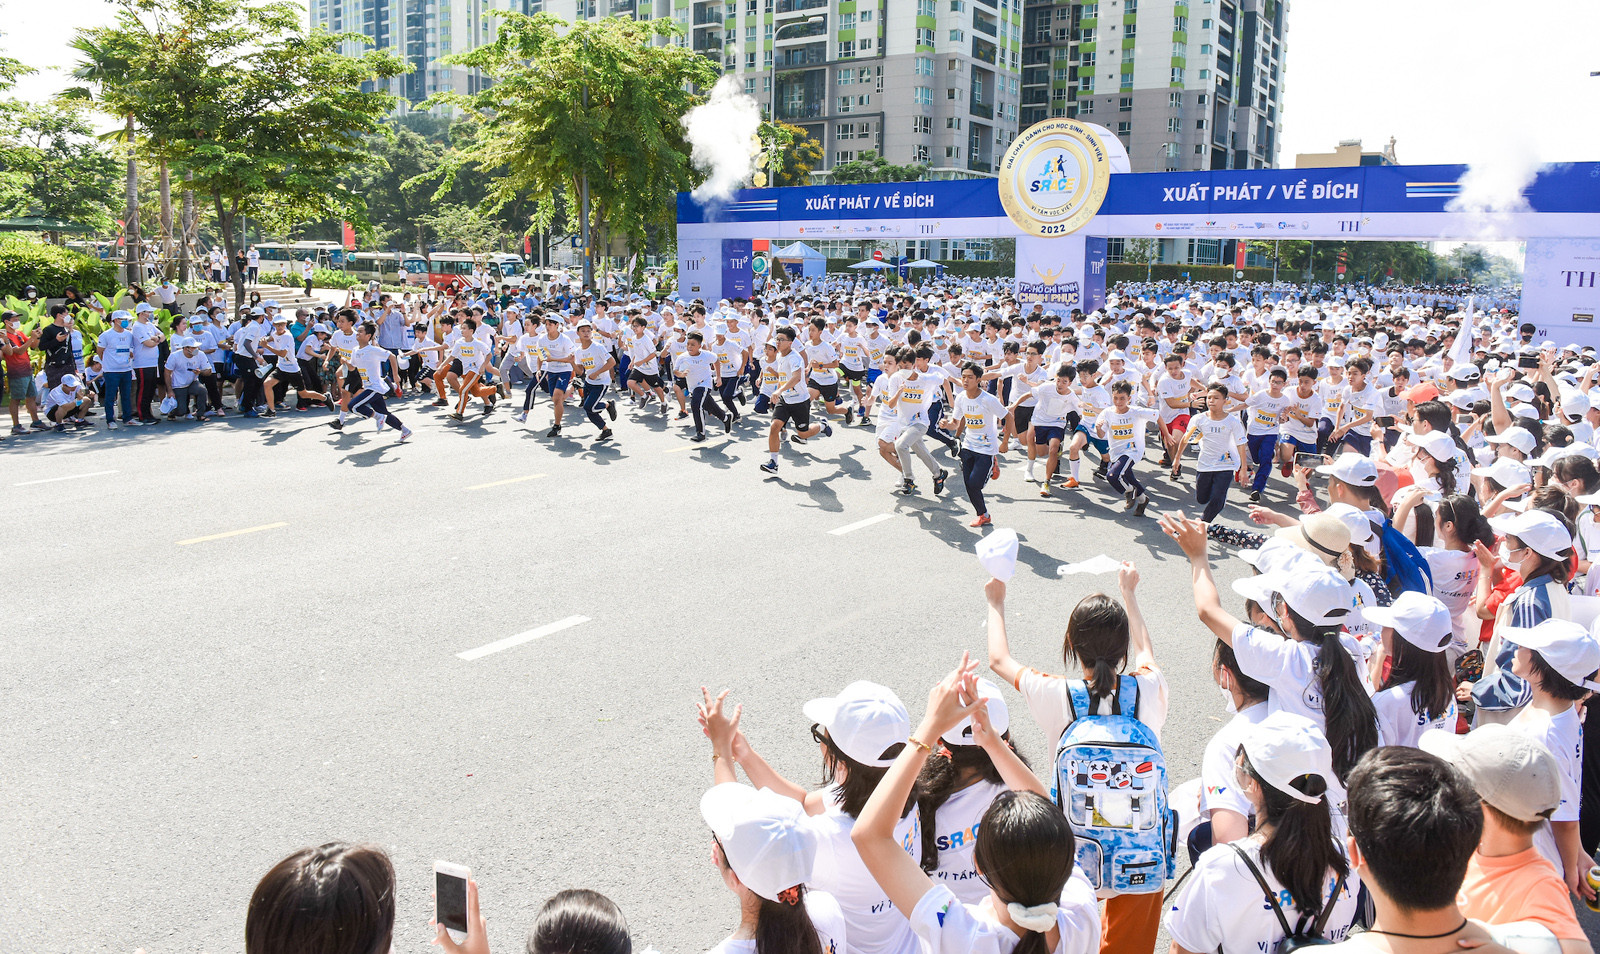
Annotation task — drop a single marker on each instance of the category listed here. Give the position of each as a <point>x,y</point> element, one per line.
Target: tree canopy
<point>568,100</point>
<point>871,167</point>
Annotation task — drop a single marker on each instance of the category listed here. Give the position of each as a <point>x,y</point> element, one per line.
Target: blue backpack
<point>1111,781</point>
<point>1408,568</point>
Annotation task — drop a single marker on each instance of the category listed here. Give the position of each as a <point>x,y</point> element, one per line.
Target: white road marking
<point>502,483</point>
<point>233,533</point>
<point>521,638</point>
<point>51,480</point>
<point>841,531</point>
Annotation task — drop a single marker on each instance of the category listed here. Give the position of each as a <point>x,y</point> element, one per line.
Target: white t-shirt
<point>592,359</point>
<point>1050,705</point>
<point>785,365</point>
<point>1051,407</point>
<point>1219,441</point>
<point>871,921</point>
<point>1455,580</point>
<point>823,353</point>
<point>1123,431</point>
<point>915,394</point>
<point>695,369</point>
<point>1219,785</point>
<point>955,833</point>
<point>1264,412</point>
<point>944,925</point>
<point>982,417</point>
<point>1310,406</point>
<point>1212,911</point>
<point>1563,736</point>
<point>369,363</point>
<point>825,917</point>
<point>118,350</point>
<point>1170,387</point>
<point>146,345</point>
<point>1398,724</point>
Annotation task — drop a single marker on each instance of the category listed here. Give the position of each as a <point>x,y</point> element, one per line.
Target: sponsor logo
<point>1054,177</point>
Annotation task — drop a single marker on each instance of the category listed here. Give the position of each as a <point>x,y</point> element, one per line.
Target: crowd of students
<point>1404,768</point>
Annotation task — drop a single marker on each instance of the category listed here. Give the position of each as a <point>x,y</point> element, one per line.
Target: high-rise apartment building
<point>421,32</point>
<point>1185,84</point>
<point>916,81</point>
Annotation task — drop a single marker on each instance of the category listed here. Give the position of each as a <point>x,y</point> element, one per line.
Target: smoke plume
<point>723,134</point>
<point>1492,187</point>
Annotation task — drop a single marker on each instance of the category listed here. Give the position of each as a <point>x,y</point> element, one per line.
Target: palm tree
<point>107,70</point>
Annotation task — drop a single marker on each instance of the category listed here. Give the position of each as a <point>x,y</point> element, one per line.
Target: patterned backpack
<point>1111,781</point>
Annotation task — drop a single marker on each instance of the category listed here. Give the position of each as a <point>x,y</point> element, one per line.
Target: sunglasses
<point>817,734</point>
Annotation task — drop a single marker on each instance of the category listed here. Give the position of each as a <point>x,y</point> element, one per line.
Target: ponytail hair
<point>1299,848</point>
<point>1097,634</point>
<point>1025,851</point>
<point>1348,714</point>
<point>941,778</point>
<point>784,926</point>
<point>1222,657</point>
<point>1470,526</point>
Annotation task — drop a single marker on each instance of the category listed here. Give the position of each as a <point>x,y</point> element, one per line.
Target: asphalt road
<point>180,708</point>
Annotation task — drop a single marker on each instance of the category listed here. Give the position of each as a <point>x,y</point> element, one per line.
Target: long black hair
<point>1435,687</point>
<point>1349,719</point>
<point>1097,634</point>
<point>1025,850</point>
<point>859,780</point>
<point>783,926</point>
<point>941,777</point>
<point>1470,526</point>
<point>1222,657</point>
<point>1298,848</point>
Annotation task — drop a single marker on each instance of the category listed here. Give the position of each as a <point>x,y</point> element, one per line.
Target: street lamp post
<point>773,159</point>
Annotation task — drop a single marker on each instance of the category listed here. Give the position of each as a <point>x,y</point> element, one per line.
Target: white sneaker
<point>113,425</point>
<point>520,417</point>
<point>405,434</point>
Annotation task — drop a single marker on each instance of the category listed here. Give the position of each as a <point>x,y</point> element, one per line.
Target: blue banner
<point>1094,274</point>
<point>1571,187</point>
<point>738,280</point>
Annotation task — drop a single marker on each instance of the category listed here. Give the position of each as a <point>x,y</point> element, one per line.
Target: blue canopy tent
<point>812,263</point>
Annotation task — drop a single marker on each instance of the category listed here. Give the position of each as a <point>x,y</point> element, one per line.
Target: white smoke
<point>1492,187</point>
<point>723,133</point>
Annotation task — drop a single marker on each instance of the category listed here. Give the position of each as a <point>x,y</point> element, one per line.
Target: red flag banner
<point>349,235</point>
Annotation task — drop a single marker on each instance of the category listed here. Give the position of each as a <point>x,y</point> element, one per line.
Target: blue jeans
<point>1211,489</point>
<point>1261,447</point>
<point>119,384</point>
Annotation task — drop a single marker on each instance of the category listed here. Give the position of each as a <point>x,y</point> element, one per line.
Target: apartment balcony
<point>984,23</point>
<point>800,30</point>
<point>814,54</point>
<point>977,165</point>
<point>980,108</point>
<point>708,44</point>
<point>799,6</point>
<point>984,50</point>
<point>708,16</point>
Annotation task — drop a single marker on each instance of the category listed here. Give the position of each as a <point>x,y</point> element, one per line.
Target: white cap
<point>1509,770</point>
<point>1284,747</point>
<point>1506,472</point>
<point>1465,373</point>
<point>1437,443</point>
<point>187,343</point>
<point>1117,355</point>
<point>1519,437</point>
<point>1360,526</point>
<point>764,836</point>
<point>1568,647</point>
<point>1313,590</point>
<point>144,308</point>
<point>1518,392</point>
<point>1539,530</point>
<point>1352,468</point>
<point>121,315</point>
<point>999,716</point>
<point>69,381</point>
<point>1419,619</point>
<point>864,721</point>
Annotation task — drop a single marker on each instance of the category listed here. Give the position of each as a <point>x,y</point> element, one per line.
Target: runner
<point>978,419</point>
<point>367,363</point>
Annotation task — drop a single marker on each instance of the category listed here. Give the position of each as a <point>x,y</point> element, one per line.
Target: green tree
<point>871,167</point>
<point>63,170</point>
<point>255,111</point>
<point>588,103</point>
<point>796,154</point>
<point>467,227</point>
<point>394,183</point>
<point>107,67</point>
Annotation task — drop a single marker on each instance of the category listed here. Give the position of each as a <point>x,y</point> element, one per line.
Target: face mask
<point>1227,698</point>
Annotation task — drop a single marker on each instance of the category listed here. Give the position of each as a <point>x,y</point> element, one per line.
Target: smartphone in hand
<point>450,897</point>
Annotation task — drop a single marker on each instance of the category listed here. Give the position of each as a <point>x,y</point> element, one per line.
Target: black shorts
<point>853,375</point>
<point>829,392</point>
<point>797,414</point>
<point>682,383</point>
<point>290,379</point>
<point>352,381</point>
<point>1024,419</point>
<point>455,367</point>
<point>649,380</point>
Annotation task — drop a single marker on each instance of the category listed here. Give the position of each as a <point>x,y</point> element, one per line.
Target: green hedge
<point>50,268</point>
<point>335,278</point>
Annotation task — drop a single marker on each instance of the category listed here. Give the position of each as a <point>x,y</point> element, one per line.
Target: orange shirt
<point>1519,887</point>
